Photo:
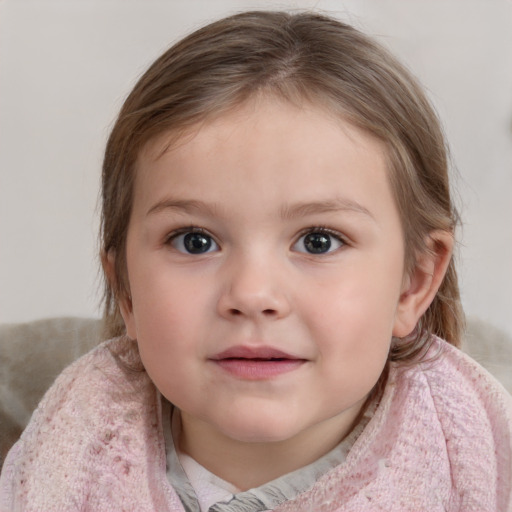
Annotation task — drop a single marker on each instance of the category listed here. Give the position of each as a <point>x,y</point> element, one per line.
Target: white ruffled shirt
<point>202,491</point>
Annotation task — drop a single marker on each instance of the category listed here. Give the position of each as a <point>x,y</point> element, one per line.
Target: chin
<point>259,431</point>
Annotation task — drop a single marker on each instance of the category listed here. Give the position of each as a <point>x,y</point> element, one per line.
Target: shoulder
<point>89,434</point>
<point>91,393</point>
<point>460,387</point>
<point>93,383</point>
<point>473,411</point>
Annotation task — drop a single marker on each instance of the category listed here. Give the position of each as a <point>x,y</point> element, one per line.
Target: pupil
<point>317,242</point>
<point>197,243</point>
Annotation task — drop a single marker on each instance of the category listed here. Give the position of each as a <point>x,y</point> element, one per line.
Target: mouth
<point>256,363</point>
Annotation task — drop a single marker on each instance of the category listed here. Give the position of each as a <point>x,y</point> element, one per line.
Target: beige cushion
<point>492,348</point>
<point>31,356</point>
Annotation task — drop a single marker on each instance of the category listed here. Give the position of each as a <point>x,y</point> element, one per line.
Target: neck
<point>247,465</point>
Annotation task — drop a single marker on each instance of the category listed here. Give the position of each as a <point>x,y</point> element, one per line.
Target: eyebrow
<point>332,206</point>
<point>186,205</point>
<point>287,212</point>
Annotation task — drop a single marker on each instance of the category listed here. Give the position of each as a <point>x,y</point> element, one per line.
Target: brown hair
<point>298,57</point>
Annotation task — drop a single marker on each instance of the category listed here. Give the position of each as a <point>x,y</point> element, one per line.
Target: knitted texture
<point>440,440</point>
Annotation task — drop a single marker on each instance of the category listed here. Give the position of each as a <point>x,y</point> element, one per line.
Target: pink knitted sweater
<point>440,440</point>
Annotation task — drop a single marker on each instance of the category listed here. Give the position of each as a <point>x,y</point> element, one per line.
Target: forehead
<point>296,152</point>
<point>265,108</point>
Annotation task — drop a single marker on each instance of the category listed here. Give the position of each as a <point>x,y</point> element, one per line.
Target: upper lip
<point>245,352</point>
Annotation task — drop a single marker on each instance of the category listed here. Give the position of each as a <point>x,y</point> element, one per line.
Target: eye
<point>193,242</point>
<point>318,241</point>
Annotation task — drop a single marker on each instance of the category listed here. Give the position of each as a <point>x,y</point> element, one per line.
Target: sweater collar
<point>196,497</point>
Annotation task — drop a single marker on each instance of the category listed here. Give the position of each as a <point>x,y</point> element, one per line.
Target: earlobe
<point>124,301</point>
<point>422,284</point>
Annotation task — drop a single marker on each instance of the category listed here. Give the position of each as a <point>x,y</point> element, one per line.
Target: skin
<point>257,181</point>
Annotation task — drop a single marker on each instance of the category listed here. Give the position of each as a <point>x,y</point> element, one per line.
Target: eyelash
<point>325,231</point>
<point>310,230</point>
<point>172,240</point>
<point>182,231</point>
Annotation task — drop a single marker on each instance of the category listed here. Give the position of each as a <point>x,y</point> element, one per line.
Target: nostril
<point>265,312</point>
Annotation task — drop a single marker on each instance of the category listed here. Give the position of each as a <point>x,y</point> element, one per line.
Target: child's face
<point>265,260</point>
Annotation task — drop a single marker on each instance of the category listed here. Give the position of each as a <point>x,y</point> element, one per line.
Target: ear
<point>108,261</point>
<point>422,283</point>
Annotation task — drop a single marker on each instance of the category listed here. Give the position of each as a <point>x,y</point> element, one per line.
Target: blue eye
<point>318,242</point>
<point>193,242</point>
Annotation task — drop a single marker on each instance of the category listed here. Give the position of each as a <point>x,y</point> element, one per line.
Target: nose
<point>255,289</point>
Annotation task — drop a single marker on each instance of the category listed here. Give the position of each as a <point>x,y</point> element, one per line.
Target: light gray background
<point>65,67</point>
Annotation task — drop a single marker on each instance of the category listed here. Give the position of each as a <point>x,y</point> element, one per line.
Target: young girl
<point>277,239</point>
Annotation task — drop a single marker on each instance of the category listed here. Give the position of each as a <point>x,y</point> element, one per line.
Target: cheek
<point>355,304</point>
<point>163,313</point>
<point>353,351</point>
<point>166,296</point>
<point>171,344</point>
<point>352,321</point>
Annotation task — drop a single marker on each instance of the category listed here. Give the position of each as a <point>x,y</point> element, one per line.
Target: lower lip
<point>253,369</point>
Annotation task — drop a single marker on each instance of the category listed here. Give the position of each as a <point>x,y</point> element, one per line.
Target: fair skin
<point>265,261</point>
